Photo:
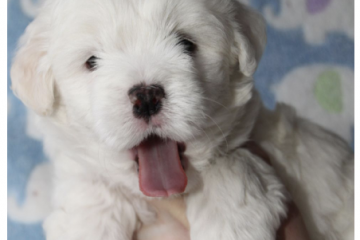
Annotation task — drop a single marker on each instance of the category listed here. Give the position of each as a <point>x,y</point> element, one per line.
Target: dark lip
<point>183,159</point>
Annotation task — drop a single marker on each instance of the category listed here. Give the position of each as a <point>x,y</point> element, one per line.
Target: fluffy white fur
<point>87,122</point>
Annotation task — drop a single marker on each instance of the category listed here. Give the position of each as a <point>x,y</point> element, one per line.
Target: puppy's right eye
<point>188,46</point>
<point>91,63</point>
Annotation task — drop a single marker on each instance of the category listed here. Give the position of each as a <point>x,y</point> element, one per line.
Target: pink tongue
<point>160,170</point>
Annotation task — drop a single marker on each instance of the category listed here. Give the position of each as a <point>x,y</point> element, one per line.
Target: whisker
<point>227,145</point>
<point>211,100</point>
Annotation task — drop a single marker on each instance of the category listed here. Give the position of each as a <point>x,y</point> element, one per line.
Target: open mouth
<point>161,164</point>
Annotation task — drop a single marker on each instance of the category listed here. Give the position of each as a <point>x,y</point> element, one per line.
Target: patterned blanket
<point>308,63</point>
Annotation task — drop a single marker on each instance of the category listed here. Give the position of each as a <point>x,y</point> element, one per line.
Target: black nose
<point>146,100</point>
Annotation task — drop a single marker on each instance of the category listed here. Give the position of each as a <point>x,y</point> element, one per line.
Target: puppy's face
<point>135,73</point>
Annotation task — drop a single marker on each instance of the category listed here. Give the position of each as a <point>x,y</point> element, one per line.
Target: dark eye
<point>188,46</point>
<point>91,63</point>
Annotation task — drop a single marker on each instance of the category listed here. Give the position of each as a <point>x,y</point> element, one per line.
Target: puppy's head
<point>137,72</point>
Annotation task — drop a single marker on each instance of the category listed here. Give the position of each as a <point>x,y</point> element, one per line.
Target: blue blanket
<point>308,63</point>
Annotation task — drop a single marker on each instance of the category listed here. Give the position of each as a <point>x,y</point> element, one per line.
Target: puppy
<point>140,99</point>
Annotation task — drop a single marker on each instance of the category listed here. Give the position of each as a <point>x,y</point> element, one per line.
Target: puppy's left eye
<point>91,64</point>
<point>189,46</point>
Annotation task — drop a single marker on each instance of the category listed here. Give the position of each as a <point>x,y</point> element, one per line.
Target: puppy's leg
<point>90,210</point>
<point>317,168</point>
<point>240,199</point>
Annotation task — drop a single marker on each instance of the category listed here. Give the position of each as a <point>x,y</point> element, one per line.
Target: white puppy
<point>154,98</point>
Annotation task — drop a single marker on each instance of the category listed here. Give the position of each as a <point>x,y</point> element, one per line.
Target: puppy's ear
<point>250,38</point>
<point>31,75</point>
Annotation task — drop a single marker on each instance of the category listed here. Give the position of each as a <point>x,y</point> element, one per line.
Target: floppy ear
<point>31,75</point>
<point>249,42</point>
<point>250,38</point>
